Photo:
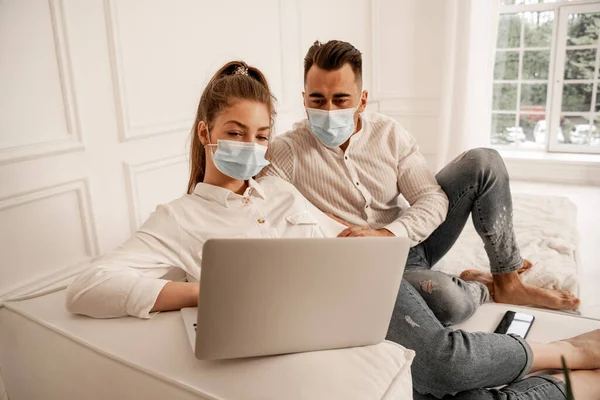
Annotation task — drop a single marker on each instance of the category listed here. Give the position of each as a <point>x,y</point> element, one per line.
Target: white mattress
<point>47,353</point>
<point>546,231</point>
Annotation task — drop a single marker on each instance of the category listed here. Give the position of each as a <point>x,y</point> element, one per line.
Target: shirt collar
<point>224,196</point>
<point>257,189</point>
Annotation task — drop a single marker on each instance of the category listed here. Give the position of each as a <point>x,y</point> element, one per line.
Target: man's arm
<point>416,182</point>
<point>281,160</point>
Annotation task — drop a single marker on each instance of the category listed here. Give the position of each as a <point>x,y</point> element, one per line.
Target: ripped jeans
<point>477,185</point>
<point>457,364</point>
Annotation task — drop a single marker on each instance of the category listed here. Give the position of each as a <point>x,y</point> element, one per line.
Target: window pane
<point>535,65</point>
<point>540,131</point>
<point>538,28</point>
<point>583,28</point>
<point>509,31</point>
<point>580,64</point>
<point>504,130</point>
<point>598,98</point>
<point>507,65</point>
<point>595,134</point>
<point>577,97</point>
<point>533,95</point>
<point>530,123</point>
<point>577,130</point>
<point>505,97</point>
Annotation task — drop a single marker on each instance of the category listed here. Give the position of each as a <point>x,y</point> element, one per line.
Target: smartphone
<point>516,323</point>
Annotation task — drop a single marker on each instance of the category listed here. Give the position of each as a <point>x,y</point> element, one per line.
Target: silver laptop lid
<point>274,296</point>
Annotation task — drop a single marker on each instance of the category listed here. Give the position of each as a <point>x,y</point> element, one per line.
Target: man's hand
<point>359,231</point>
<point>364,231</point>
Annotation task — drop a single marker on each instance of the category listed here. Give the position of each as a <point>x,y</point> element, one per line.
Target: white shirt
<point>128,280</point>
<point>367,184</point>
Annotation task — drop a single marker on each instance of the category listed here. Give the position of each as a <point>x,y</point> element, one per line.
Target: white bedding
<point>47,353</point>
<point>546,230</point>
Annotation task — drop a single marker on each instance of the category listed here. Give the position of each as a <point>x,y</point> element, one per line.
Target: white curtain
<point>470,50</point>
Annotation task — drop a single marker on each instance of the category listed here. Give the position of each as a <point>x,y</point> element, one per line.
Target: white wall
<point>97,99</point>
<point>409,66</point>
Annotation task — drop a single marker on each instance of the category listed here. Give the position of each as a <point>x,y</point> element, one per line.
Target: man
<point>357,166</point>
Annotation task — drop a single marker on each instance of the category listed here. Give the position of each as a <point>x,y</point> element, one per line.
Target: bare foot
<point>585,384</point>
<point>487,278</point>
<point>527,265</point>
<point>473,275</point>
<point>581,352</point>
<point>584,350</point>
<point>510,289</point>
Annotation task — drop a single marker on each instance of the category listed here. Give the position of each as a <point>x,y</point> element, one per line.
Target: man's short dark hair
<point>332,56</point>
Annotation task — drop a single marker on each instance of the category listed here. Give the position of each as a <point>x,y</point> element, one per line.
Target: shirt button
<point>260,221</point>
<point>345,157</point>
<point>357,183</point>
<point>245,200</point>
<point>367,206</point>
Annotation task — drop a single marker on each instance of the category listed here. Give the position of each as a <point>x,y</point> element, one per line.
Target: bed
<point>546,231</point>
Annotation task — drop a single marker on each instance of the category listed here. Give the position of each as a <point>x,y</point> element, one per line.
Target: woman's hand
<point>177,295</point>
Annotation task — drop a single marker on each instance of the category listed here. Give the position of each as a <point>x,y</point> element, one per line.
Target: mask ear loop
<point>207,134</point>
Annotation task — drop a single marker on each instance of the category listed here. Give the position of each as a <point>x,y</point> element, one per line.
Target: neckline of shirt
<point>224,196</point>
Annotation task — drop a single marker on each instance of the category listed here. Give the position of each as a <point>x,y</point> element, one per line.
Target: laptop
<point>263,297</point>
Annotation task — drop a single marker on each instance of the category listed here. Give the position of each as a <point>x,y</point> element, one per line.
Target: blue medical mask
<point>334,127</point>
<point>239,160</point>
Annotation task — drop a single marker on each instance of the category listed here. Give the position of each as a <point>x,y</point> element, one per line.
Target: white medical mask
<point>334,127</point>
<point>238,160</point>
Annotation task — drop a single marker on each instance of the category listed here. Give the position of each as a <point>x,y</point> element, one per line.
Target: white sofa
<point>47,353</point>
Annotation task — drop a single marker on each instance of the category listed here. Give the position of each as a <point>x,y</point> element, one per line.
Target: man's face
<point>334,90</point>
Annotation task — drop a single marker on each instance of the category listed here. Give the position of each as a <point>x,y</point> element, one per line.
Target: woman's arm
<point>177,295</point>
<point>128,280</point>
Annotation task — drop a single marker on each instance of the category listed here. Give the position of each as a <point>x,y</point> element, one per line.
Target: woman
<point>229,141</point>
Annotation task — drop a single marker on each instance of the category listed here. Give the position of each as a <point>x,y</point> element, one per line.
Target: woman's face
<point>244,121</point>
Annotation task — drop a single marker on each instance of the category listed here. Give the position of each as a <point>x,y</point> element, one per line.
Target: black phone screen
<point>515,323</point>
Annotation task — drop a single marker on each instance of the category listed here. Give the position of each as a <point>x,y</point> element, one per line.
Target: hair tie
<point>241,70</point>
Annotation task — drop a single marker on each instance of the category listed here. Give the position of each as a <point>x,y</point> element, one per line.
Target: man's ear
<point>364,97</point>
<point>202,132</point>
<point>304,104</point>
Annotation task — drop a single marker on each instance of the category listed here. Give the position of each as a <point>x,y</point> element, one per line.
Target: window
<point>546,76</point>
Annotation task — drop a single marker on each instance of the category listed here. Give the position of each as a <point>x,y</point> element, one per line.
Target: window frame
<point>556,106</point>
<point>561,9</point>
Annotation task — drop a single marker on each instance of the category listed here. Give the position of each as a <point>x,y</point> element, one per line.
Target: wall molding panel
<point>132,174</point>
<point>127,131</point>
<point>289,49</point>
<point>81,188</point>
<point>85,211</point>
<point>73,140</point>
